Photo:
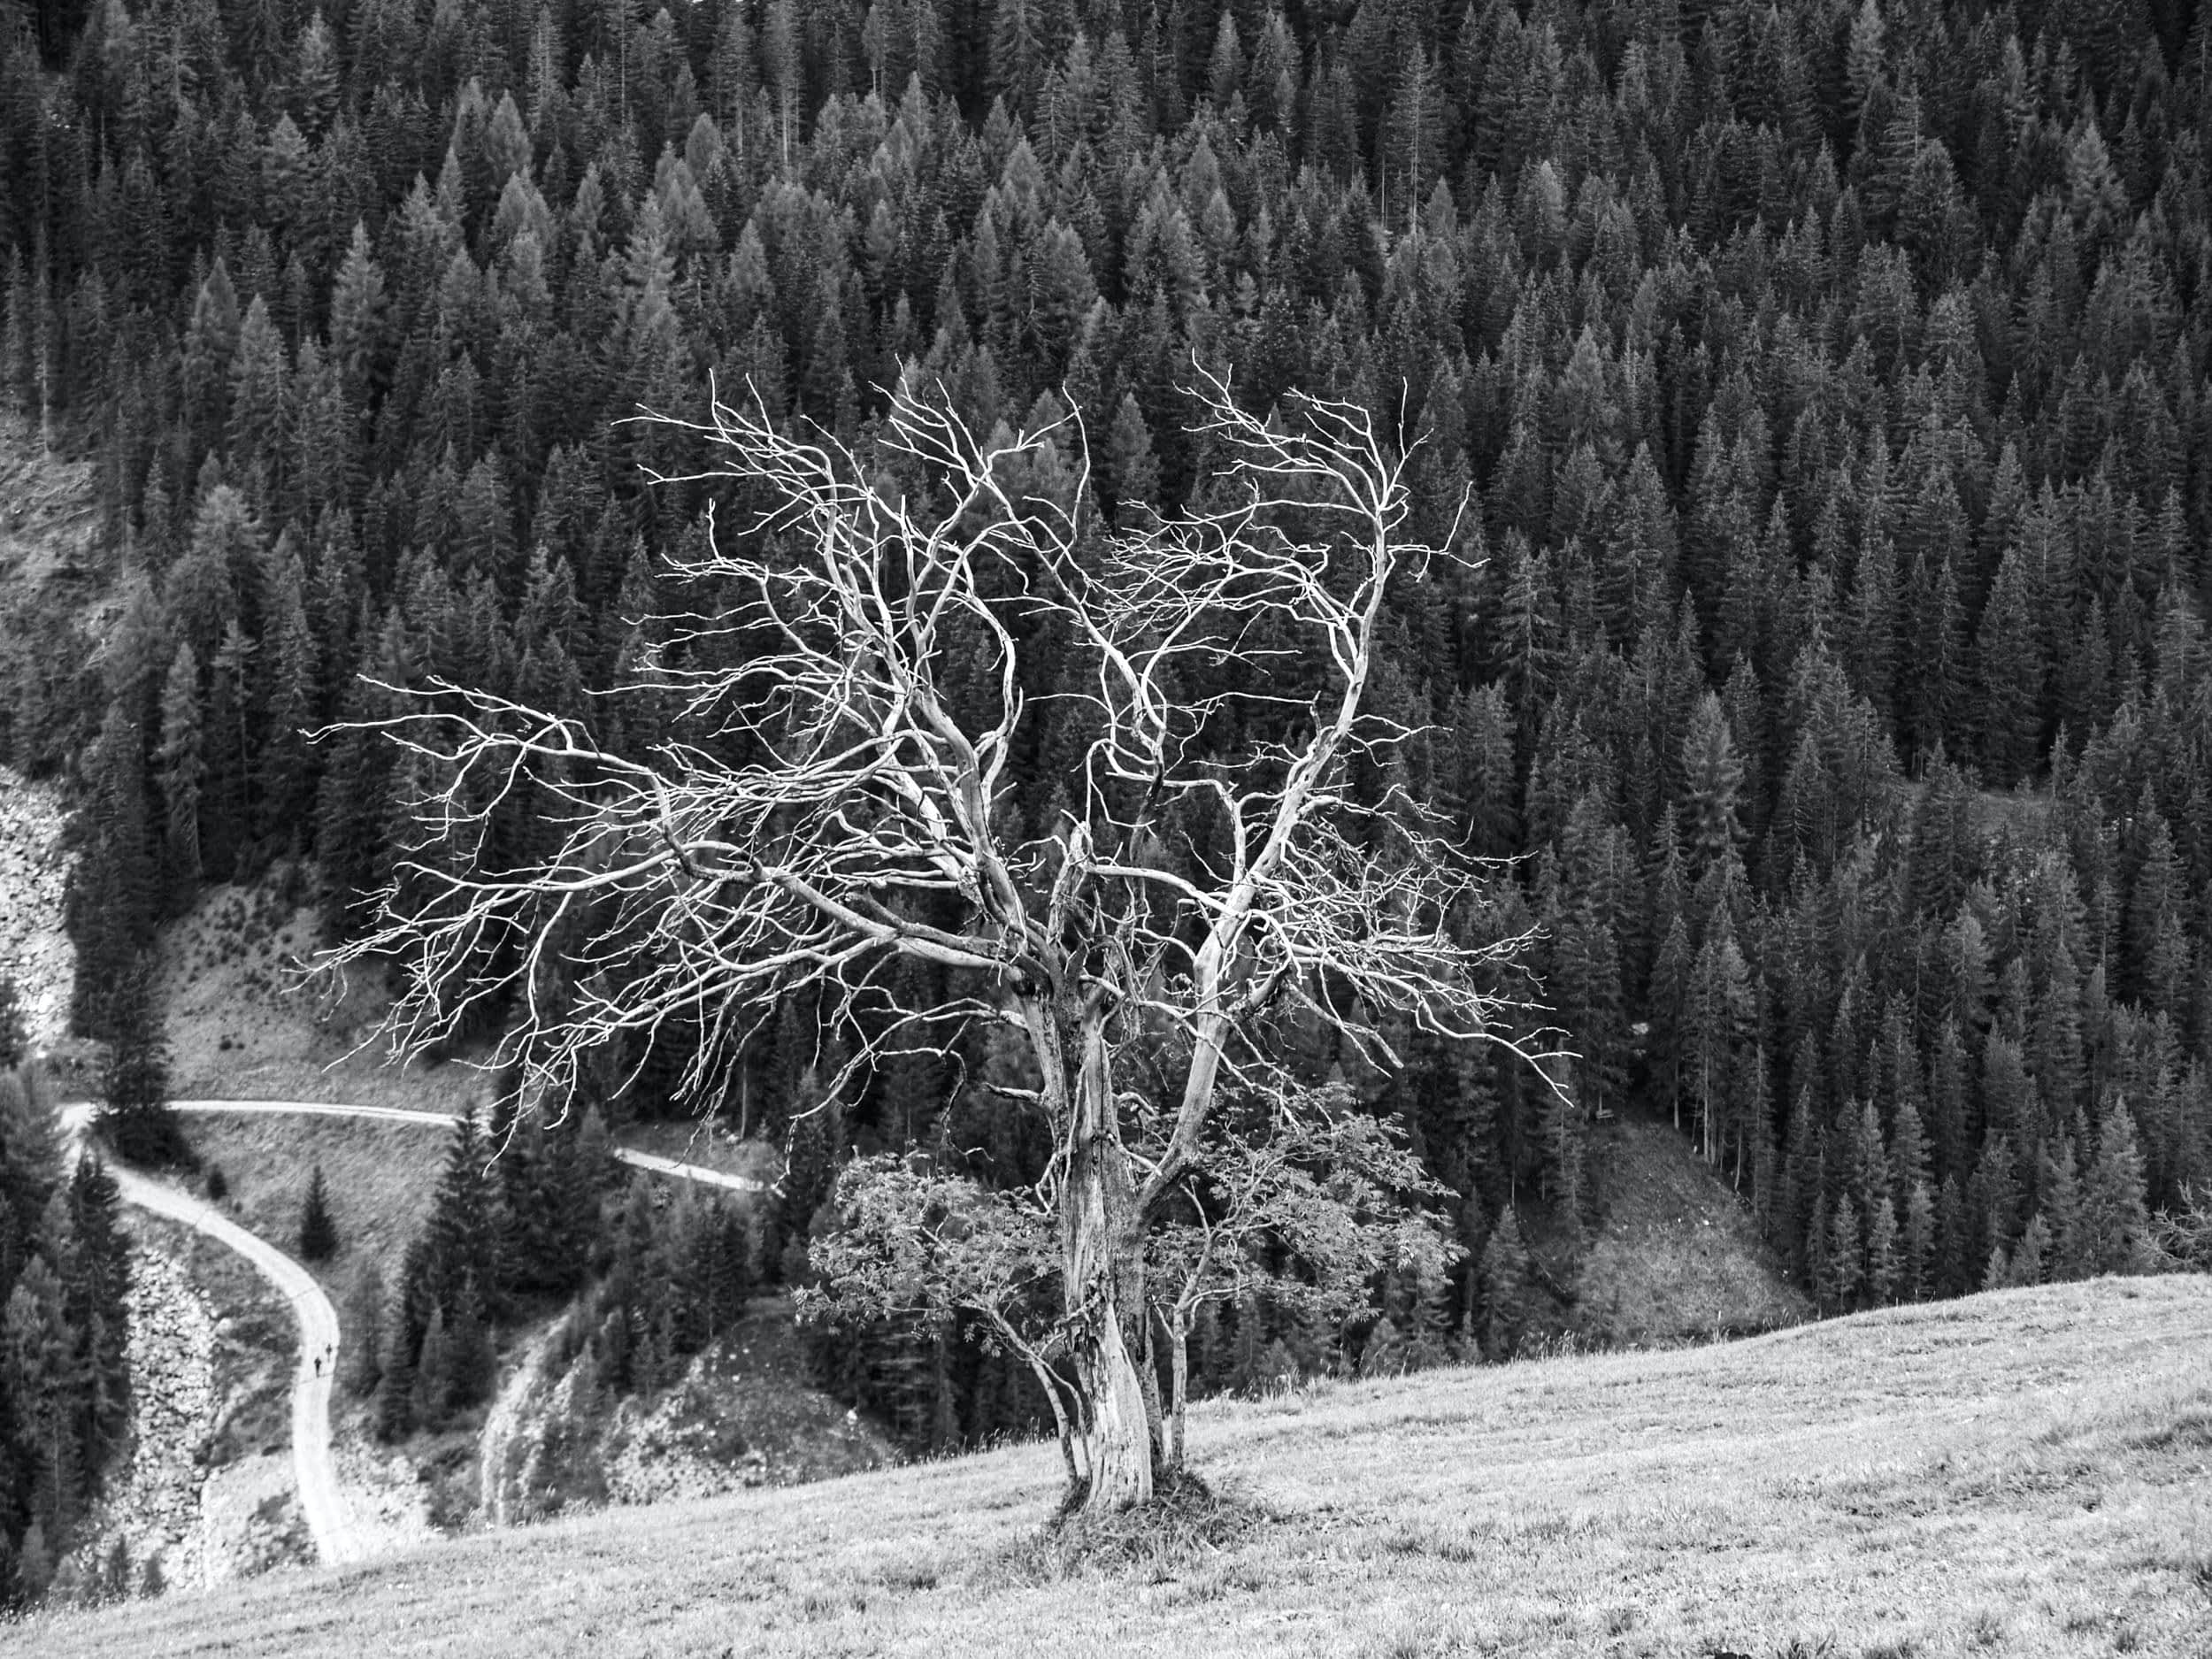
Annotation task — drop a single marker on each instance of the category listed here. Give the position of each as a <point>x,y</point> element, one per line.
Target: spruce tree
<point>1842,1259</point>
<point>135,1118</point>
<point>473,1368</point>
<point>363,1325</point>
<point>1917,1259</point>
<point>94,1262</point>
<point>318,1233</point>
<point>2115,1216</point>
<point>1504,1273</point>
<point>395,1375</point>
<point>180,765</point>
<point>432,1396</point>
<point>1885,1264</point>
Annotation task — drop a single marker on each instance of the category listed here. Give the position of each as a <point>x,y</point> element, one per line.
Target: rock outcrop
<point>250,1519</point>
<point>34,952</point>
<point>153,1500</point>
<point>743,1414</point>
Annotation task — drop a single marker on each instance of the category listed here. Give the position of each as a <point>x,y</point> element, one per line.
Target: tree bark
<point>1177,1329</point>
<point>1103,1273</point>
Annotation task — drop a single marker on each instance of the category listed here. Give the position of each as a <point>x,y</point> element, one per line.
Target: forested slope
<point>1831,381</point>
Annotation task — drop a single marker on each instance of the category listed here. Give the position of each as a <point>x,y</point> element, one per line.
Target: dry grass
<point>380,1177</point>
<point>243,1023</point>
<point>2029,1472</point>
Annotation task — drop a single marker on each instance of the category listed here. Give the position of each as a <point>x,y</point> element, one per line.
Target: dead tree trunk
<point>1101,1246</point>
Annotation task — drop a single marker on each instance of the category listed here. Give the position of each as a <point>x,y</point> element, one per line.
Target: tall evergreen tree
<point>318,1233</point>
<point>135,1117</point>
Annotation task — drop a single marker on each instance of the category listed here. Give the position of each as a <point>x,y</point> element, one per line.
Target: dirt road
<point>647,1161</point>
<point>329,1517</point>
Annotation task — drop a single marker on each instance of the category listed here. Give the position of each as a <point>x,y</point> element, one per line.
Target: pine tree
<point>1413,131</point>
<point>1919,1258</point>
<point>1864,63</point>
<point>1504,1273</point>
<point>1842,1259</point>
<point>94,1257</point>
<point>260,387</point>
<point>2024,1264</point>
<point>2008,660</point>
<point>1713,773</point>
<point>433,1395</point>
<point>135,1118</point>
<point>180,768</point>
<point>460,1239</point>
<point>112,907</point>
<point>1954,1235</point>
<point>39,1367</point>
<point>1885,1261</point>
<point>396,1388</point>
<point>2115,1216</point>
<point>318,1233</point>
<point>364,1328</point>
<point>1871,629</point>
<point>473,1366</point>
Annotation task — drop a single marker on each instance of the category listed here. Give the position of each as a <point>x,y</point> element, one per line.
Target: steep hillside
<point>378,1178</point>
<point>2025,1472</point>
<point>52,607</point>
<point>1675,1256</point>
<point>246,1021</point>
<point>744,1414</point>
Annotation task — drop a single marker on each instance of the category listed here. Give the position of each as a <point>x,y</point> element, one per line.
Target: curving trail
<point>649,1161</point>
<point>329,1517</point>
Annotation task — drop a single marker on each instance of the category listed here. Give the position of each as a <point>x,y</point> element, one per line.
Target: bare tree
<point>830,807</point>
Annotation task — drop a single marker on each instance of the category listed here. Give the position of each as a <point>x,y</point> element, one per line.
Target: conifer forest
<point>1824,660</point>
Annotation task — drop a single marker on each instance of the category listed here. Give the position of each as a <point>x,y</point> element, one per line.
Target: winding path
<point>649,1161</point>
<point>329,1517</point>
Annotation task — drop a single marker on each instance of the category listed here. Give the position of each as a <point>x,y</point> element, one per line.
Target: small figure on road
<point>318,1364</point>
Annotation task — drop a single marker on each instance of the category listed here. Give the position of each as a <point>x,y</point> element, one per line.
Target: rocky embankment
<point>741,1415</point>
<point>153,1504</point>
<point>34,952</point>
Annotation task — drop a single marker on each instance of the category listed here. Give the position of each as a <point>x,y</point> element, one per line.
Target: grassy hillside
<point>379,1178</point>
<point>2028,1472</point>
